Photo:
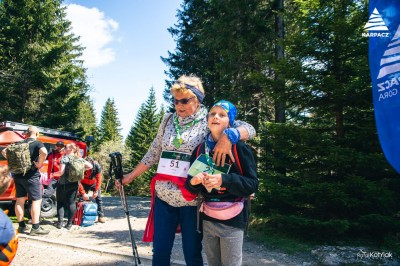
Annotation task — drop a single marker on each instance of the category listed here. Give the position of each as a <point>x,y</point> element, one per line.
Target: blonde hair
<point>192,80</point>
<point>5,178</point>
<point>32,130</point>
<point>75,149</point>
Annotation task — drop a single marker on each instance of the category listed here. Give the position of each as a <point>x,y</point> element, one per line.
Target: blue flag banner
<point>383,31</point>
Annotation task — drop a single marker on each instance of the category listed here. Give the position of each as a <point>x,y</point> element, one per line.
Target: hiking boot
<point>101,220</point>
<point>68,226</point>
<point>24,229</point>
<point>59,225</point>
<point>39,231</point>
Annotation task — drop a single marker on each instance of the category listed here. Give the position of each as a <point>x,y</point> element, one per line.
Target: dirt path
<point>109,243</point>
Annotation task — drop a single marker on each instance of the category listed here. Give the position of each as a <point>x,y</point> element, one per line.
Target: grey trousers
<point>222,244</point>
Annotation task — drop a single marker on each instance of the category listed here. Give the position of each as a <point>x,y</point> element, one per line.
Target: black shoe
<point>68,226</point>
<point>24,229</point>
<point>60,225</point>
<point>39,231</point>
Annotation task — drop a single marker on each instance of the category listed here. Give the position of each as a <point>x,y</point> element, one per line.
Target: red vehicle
<point>11,132</point>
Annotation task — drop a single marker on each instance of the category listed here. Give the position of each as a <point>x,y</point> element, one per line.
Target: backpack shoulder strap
<point>249,198</point>
<point>167,120</point>
<point>237,161</point>
<point>199,150</point>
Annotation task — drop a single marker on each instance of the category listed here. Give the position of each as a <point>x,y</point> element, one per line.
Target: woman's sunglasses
<point>183,101</point>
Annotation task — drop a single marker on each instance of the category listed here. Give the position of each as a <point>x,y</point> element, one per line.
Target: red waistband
<point>180,182</point>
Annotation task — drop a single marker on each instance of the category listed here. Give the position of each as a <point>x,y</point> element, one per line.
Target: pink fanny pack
<point>222,210</point>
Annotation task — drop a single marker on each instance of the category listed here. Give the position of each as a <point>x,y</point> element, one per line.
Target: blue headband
<point>229,108</point>
<point>196,91</point>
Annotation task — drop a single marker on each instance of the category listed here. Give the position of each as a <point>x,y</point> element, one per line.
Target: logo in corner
<point>375,26</point>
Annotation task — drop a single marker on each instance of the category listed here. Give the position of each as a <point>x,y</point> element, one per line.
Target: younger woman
<point>224,211</point>
<point>67,191</point>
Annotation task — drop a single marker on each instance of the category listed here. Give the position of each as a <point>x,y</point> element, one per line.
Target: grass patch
<point>14,219</point>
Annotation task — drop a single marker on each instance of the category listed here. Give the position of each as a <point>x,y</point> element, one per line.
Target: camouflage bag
<point>19,157</point>
<point>75,169</point>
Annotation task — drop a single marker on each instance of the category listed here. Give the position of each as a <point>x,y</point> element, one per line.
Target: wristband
<point>233,134</point>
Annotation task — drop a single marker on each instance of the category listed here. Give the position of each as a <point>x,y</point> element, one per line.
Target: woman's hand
<point>222,148</point>
<point>117,184</point>
<point>126,179</point>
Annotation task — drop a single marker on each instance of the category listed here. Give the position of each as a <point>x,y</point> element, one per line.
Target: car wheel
<point>49,207</point>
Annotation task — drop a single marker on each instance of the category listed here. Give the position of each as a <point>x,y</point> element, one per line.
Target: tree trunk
<point>280,106</point>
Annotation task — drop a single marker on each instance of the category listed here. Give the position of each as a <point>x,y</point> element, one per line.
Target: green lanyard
<point>178,139</point>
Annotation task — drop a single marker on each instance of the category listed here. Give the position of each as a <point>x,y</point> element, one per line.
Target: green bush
<point>376,226</point>
<point>313,184</point>
<point>311,228</point>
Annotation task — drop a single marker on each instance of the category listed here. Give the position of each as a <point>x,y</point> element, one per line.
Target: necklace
<point>178,141</point>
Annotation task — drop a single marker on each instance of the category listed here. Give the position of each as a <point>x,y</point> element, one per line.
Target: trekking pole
<point>116,167</point>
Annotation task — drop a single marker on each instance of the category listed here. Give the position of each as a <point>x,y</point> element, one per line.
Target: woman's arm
<point>224,145</point>
<point>154,152</point>
<point>246,130</point>
<point>60,172</point>
<point>139,169</point>
<point>152,155</point>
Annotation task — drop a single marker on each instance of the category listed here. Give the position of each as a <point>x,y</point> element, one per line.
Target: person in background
<point>6,227</point>
<point>8,236</point>
<point>92,182</point>
<point>67,191</point>
<point>30,184</point>
<point>224,211</point>
<point>53,165</point>
<point>5,178</point>
<point>172,205</point>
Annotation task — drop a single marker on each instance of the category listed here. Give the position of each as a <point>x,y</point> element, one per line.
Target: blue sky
<point>124,40</point>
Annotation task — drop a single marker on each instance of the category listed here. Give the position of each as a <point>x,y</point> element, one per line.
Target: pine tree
<point>331,154</point>
<point>86,123</point>
<point>229,45</point>
<point>140,137</point>
<point>191,55</point>
<point>44,81</point>
<point>110,126</point>
<point>322,172</point>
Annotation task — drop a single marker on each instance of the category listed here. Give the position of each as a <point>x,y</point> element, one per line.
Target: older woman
<point>172,205</point>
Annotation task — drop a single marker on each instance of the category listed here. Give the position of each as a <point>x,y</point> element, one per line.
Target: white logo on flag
<point>390,61</point>
<point>375,22</point>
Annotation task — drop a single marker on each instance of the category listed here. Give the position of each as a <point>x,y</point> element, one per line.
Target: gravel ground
<point>109,243</point>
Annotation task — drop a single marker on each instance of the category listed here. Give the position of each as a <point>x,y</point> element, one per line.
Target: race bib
<point>201,165</point>
<point>174,163</point>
